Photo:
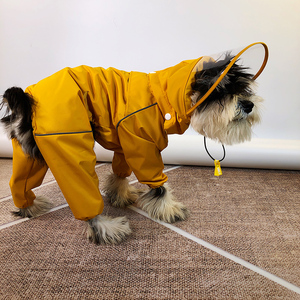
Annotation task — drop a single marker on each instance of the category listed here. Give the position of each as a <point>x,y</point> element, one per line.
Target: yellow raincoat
<point>132,114</point>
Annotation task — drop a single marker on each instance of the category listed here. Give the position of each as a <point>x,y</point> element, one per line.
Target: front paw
<point>107,230</point>
<point>160,205</point>
<point>120,192</point>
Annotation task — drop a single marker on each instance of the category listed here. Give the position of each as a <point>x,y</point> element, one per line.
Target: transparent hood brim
<point>254,57</point>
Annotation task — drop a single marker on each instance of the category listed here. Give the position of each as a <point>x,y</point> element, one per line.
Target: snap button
<point>168,116</point>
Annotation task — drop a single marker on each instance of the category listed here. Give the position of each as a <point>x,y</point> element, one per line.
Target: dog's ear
<point>236,82</point>
<point>211,71</point>
<point>209,74</point>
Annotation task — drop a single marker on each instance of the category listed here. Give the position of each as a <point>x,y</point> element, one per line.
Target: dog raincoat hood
<point>131,114</point>
<point>173,85</point>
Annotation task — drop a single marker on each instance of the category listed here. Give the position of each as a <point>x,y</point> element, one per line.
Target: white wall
<point>39,37</point>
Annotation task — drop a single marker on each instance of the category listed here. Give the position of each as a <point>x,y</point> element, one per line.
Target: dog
<point>55,123</point>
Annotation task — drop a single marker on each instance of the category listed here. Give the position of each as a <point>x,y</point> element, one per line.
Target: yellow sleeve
<point>120,166</point>
<point>142,139</point>
<point>72,161</point>
<point>27,174</point>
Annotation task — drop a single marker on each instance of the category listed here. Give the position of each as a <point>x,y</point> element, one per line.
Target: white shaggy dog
<point>227,115</point>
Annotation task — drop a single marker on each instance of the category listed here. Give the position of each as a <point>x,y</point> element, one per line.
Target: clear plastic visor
<point>253,57</point>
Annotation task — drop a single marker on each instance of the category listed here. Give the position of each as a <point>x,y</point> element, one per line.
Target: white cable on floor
<point>224,253</point>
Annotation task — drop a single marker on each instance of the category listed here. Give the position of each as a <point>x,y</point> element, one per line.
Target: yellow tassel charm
<point>218,170</point>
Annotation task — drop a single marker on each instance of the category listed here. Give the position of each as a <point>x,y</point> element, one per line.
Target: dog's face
<point>229,113</point>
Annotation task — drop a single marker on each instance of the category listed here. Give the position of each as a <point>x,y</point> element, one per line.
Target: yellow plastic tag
<point>218,170</point>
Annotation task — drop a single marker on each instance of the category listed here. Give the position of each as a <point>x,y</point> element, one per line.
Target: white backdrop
<point>39,37</point>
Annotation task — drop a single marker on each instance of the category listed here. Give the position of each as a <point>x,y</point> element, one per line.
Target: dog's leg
<point>120,192</point>
<point>107,230</point>
<point>40,206</point>
<point>159,203</point>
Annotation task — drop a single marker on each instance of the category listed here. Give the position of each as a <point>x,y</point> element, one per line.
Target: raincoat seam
<point>62,133</point>
<point>166,100</point>
<point>133,114</point>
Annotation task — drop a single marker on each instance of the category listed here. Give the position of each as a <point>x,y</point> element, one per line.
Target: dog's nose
<point>247,106</point>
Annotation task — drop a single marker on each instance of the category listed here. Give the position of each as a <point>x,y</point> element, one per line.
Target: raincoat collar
<point>169,89</point>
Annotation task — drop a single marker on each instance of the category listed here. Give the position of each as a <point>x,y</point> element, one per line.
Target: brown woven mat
<point>253,214</point>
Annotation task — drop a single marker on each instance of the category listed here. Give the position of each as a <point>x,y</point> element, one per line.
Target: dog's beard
<point>228,124</point>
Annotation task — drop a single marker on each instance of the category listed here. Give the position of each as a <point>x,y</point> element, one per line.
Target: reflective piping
<point>134,113</point>
<point>61,133</point>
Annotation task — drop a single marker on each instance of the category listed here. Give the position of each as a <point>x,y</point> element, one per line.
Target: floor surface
<point>241,241</point>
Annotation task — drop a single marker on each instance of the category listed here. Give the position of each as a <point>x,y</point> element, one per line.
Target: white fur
<point>13,126</point>
<point>223,124</point>
<point>164,208</point>
<point>40,206</point>
<point>107,230</point>
<point>120,192</point>
<point>22,138</point>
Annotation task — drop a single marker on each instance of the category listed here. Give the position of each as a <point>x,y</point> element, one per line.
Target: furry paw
<point>160,205</point>
<point>107,230</point>
<point>40,206</point>
<point>120,192</point>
